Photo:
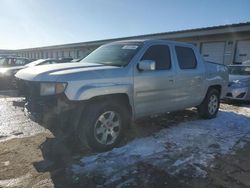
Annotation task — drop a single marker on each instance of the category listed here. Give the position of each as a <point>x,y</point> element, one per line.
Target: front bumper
<point>7,82</point>
<point>41,108</point>
<point>65,114</point>
<point>241,94</point>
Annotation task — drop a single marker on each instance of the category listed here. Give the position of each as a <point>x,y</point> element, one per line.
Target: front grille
<point>35,102</point>
<point>27,88</point>
<point>229,95</point>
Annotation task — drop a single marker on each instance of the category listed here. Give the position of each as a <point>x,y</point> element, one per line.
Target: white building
<point>224,44</point>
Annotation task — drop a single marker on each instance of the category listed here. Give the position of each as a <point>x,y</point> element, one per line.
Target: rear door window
<point>186,57</point>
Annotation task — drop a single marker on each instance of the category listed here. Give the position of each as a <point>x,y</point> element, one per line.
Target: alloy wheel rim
<point>213,104</point>
<point>107,128</point>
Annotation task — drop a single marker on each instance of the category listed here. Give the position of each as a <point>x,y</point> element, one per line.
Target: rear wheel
<point>209,107</point>
<point>103,124</point>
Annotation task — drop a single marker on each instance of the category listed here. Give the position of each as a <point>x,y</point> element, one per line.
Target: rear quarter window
<point>186,57</point>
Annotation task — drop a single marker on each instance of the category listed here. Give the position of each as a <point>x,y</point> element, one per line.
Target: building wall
<point>80,52</point>
<point>7,53</point>
<point>217,43</point>
<point>59,53</point>
<point>229,40</point>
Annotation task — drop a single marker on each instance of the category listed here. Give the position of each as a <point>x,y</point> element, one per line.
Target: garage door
<point>242,51</point>
<point>213,51</point>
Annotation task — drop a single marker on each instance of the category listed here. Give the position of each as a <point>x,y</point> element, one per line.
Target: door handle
<point>171,79</point>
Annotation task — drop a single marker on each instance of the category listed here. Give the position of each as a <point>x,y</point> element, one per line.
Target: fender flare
<point>88,92</point>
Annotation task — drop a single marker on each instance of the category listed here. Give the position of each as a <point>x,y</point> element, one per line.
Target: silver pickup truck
<point>120,82</point>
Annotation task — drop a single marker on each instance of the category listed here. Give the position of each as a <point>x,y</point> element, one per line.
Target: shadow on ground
<point>58,152</point>
<point>62,150</point>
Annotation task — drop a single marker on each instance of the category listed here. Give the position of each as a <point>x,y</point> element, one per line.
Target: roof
<point>148,40</point>
<point>221,29</point>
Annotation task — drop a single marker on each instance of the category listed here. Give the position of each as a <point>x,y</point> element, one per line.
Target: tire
<point>103,124</point>
<point>208,109</point>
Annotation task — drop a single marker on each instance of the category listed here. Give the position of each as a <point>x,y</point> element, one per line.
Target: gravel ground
<point>32,156</point>
<point>13,123</point>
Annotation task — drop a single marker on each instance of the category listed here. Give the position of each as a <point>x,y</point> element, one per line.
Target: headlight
<point>5,72</point>
<point>52,88</point>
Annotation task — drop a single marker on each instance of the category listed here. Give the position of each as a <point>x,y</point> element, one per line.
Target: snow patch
<point>188,145</point>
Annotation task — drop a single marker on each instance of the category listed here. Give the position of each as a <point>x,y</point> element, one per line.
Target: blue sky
<point>34,23</point>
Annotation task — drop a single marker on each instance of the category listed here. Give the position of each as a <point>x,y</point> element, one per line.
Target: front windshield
<point>119,54</point>
<point>239,70</point>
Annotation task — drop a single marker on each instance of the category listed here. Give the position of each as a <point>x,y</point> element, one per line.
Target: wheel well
<point>119,97</point>
<point>217,87</point>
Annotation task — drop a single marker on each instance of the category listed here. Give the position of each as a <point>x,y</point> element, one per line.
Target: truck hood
<point>59,71</point>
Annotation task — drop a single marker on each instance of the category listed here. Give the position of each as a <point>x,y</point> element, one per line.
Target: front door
<point>154,90</point>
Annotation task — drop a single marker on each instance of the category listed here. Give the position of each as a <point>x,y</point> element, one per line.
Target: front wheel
<point>103,125</point>
<point>209,107</point>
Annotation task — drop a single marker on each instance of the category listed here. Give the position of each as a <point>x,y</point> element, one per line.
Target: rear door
<point>153,90</point>
<point>190,78</point>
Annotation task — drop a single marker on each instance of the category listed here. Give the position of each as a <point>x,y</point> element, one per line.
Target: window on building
<point>186,57</point>
<point>160,54</point>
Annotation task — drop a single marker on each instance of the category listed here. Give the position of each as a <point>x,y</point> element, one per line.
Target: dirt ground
<point>32,156</point>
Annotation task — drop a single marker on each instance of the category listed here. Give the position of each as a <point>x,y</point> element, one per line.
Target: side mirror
<point>146,65</point>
